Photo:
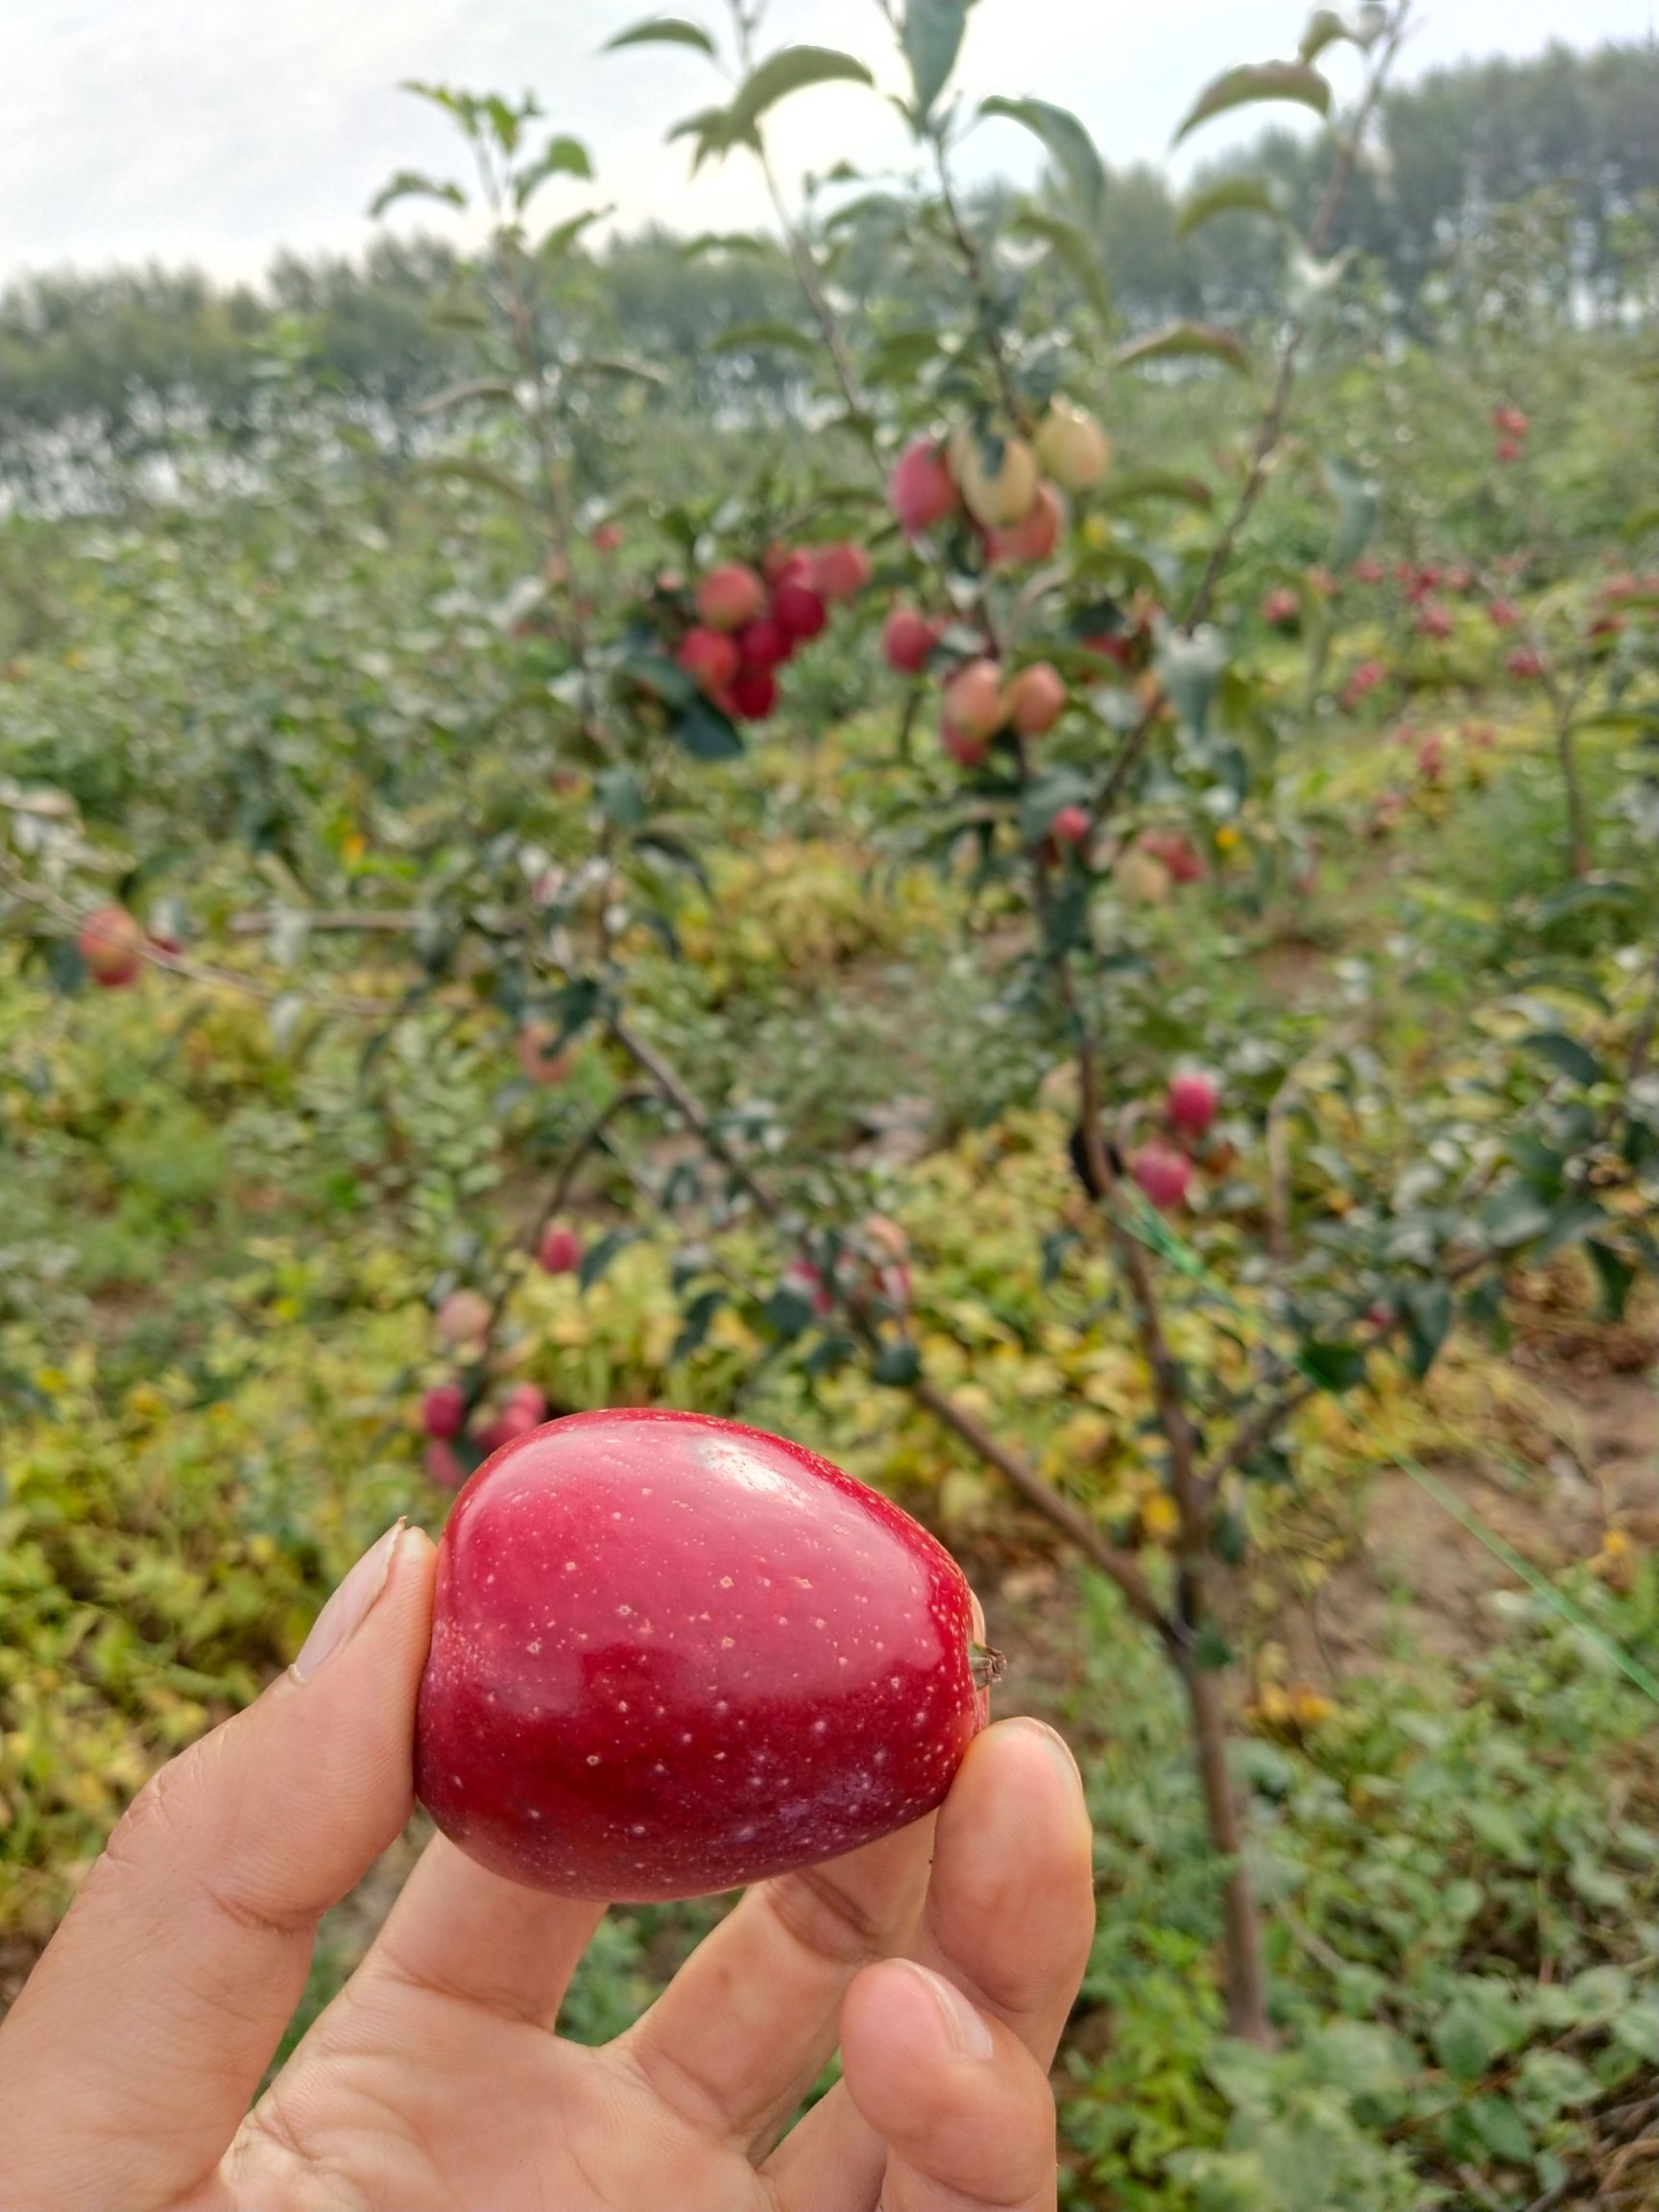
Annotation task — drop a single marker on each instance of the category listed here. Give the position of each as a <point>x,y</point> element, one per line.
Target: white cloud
<point>216,130</point>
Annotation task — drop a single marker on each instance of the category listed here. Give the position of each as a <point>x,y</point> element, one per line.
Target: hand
<point>434,2080</point>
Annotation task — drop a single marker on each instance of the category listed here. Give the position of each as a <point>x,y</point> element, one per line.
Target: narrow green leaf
<point>1134,484</point>
<point>598,1256</point>
<point>1068,144</point>
<point>933,38</point>
<point>1178,341</point>
<point>791,69</point>
<point>751,337</point>
<point>1255,81</point>
<point>1227,196</point>
<point>1332,1366</point>
<point>663,31</point>
<point>1427,1319</point>
<point>411,184</point>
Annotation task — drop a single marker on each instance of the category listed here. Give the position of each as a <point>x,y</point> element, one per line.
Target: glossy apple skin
<point>671,1655</point>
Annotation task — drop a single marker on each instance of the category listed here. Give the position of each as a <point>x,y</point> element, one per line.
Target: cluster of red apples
<point>748,623</point>
<point>1006,493</point>
<point>1163,1166</point>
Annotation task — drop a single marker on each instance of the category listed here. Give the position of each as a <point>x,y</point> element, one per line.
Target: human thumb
<point>128,2060</point>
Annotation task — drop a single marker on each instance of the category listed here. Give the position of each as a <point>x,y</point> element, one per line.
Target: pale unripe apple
<point>1032,540</point>
<point>1072,448</point>
<point>998,476</point>
<point>1141,880</point>
<point>973,701</point>
<point>463,1319</point>
<point>730,596</point>
<point>921,488</point>
<point>1035,699</point>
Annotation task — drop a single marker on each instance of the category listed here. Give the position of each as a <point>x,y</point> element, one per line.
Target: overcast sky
<point>213,131</point>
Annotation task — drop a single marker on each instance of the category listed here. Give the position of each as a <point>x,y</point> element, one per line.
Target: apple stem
<point>987,1667</point>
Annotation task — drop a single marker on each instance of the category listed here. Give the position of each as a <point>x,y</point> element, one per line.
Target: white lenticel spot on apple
<point>534,1646</point>
<point>592,1757</point>
<point>727,1642</point>
<point>624,1612</point>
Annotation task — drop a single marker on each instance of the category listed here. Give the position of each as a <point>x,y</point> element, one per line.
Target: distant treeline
<point>98,371</point>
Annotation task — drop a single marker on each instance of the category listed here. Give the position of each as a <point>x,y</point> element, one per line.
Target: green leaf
<point>1515,1215</point>
<point>694,1329</point>
<point>411,184</point>
<point>1566,1054</point>
<point>1501,2130</point>
<point>751,337</point>
<point>897,1365</point>
<point>1178,341</point>
<point>1354,499</point>
<point>1068,144</point>
<point>1074,253</point>
<point>931,37</point>
<point>791,69</point>
<point>788,1313</point>
<point>1228,196</point>
<point>1463,2042</point>
<point>707,733</point>
<point>1428,1308</point>
<point>1257,80</point>
<point>619,797</point>
<point>1324,29</point>
<point>599,1257</point>
<point>1332,1366</point>
<point>1636,2027</point>
<point>663,31</point>
<point>1132,485</point>
<point>1614,1276</point>
<point>563,157</point>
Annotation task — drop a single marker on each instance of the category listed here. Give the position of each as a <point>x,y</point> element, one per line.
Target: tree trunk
<point>1246,1968</point>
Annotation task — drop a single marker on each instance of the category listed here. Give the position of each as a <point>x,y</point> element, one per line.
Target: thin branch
<point>1039,1493</point>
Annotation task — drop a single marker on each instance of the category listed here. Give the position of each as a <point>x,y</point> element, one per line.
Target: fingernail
<point>1056,1746</point>
<point>347,1609</point>
<point>969,2031</point>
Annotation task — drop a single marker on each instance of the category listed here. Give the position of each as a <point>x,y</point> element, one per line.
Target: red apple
<point>443,1412</point>
<point>606,537</point>
<point>730,596</point>
<point>536,1056</point>
<point>753,695</point>
<point>710,657</point>
<point>840,572</point>
<point>560,1251</point>
<point>798,611</point>
<point>671,1655</point>
<point>110,943</point>
<point>967,752</point>
<point>1071,826</point>
<point>1434,622</point>
<point>1163,1173</point>
<point>763,644</point>
<point>1191,1103</point>
<point>1525,664</point>
<point>1033,537</point>
<point>921,488</point>
<point>442,1465</point>
<point>1281,608</point>
<point>909,640</point>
